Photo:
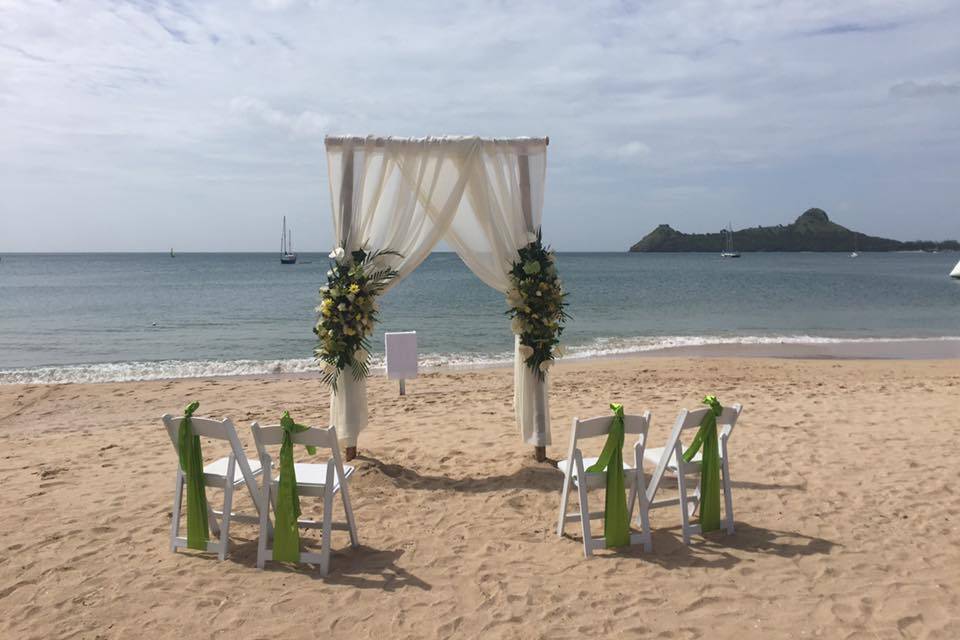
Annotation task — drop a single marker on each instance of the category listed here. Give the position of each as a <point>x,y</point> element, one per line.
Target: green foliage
<point>812,231</point>
<point>348,311</point>
<point>537,305</point>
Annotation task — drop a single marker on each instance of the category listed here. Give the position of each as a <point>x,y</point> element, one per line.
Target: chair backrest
<point>272,435</point>
<point>690,420</point>
<point>203,427</point>
<point>600,426</point>
<point>725,422</point>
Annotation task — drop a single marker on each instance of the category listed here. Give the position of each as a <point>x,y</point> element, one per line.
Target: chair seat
<point>218,468</point>
<point>654,454</point>
<point>315,475</point>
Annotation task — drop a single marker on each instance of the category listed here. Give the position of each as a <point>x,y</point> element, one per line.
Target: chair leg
<point>585,520</point>
<point>225,529</point>
<point>264,530</point>
<point>564,499</point>
<point>644,508</point>
<point>727,495</point>
<point>645,522</point>
<point>348,510</point>
<point>327,529</point>
<point>684,509</point>
<point>175,515</point>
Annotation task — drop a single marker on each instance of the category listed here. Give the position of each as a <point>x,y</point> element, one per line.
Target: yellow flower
<point>354,288</point>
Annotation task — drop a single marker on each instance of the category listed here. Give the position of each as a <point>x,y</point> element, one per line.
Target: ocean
<point>109,317</point>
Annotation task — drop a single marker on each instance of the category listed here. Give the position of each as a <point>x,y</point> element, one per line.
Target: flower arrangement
<point>537,306</point>
<point>348,311</point>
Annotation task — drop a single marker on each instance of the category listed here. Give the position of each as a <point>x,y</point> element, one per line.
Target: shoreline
<point>934,348</point>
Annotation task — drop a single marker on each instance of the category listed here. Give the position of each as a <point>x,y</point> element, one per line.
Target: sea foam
<point>601,347</point>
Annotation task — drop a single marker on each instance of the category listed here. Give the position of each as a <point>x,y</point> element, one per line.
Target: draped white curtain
<point>484,197</point>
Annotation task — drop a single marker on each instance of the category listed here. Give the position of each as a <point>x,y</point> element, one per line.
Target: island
<point>812,231</point>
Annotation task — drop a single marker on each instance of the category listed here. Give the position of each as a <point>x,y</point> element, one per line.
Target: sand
<point>845,493</point>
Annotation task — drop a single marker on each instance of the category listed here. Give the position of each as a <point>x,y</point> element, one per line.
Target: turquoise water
<point>72,317</point>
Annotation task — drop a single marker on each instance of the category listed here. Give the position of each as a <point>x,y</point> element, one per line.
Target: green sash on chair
<point>286,539</point>
<point>616,521</point>
<point>191,461</point>
<point>709,465</point>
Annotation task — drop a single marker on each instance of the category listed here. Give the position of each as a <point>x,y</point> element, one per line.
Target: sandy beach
<point>845,496</point>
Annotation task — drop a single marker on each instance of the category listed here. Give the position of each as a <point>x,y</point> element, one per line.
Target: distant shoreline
<point>947,348</point>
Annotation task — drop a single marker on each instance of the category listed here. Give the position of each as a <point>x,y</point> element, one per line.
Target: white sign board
<point>401,355</point>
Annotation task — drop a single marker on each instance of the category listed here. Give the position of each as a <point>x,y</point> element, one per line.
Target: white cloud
<point>632,149</point>
<point>911,89</point>
<point>274,5</point>
<point>304,124</point>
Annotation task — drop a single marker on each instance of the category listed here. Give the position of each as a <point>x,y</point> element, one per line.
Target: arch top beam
<point>383,141</point>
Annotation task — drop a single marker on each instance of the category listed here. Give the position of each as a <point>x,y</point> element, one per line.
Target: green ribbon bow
<point>709,465</point>
<point>616,521</point>
<point>286,539</point>
<point>191,461</point>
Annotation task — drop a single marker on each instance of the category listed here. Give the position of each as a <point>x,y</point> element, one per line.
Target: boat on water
<point>727,250</point>
<point>287,255</point>
<point>854,254</point>
<point>172,254</point>
<point>956,272</point>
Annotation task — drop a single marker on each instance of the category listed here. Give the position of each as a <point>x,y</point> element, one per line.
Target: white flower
<point>329,274</point>
<point>516,325</point>
<point>525,351</point>
<point>325,288</point>
<point>337,254</point>
<point>342,306</point>
<point>545,365</point>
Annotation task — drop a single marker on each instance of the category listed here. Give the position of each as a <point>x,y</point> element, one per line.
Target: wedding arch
<point>484,197</point>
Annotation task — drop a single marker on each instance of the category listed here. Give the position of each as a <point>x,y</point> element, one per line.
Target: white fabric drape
<point>484,197</point>
<point>500,214</point>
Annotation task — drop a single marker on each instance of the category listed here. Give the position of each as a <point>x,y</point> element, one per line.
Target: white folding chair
<point>319,480</point>
<point>573,469</point>
<point>669,460</point>
<point>225,473</point>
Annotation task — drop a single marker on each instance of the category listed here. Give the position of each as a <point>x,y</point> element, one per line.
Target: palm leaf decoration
<point>348,311</point>
<point>537,305</point>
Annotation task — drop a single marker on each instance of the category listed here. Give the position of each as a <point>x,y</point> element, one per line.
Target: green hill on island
<point>812,231</point>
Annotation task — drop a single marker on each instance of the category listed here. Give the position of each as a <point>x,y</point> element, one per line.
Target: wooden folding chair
<point>324,480</point>
<point>574,470</point>
<point>669,460</point>
<point>224,473</point>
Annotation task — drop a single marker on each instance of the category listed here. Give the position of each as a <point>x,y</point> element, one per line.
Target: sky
<point>140,126</point>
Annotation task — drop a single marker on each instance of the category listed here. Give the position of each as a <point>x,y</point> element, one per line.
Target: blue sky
<point>144,125</point>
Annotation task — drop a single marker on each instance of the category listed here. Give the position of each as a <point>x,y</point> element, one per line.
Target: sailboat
<point>172,254</point>
<point>727,251</point>
<point>854,254</point>
<point>956,272</point>
<point>287,256</point>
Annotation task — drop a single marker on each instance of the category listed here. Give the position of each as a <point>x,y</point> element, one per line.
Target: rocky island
<point>812,231</point>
